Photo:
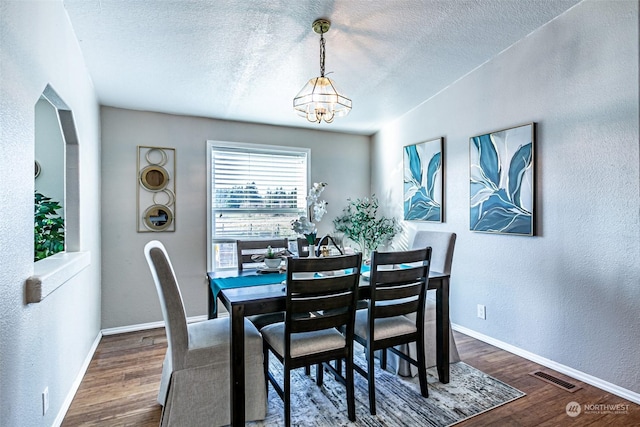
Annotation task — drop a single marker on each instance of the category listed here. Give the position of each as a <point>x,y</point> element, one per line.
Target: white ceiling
<point>246,60</point>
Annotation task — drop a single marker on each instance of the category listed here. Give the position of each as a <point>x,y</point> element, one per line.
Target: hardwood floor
<point>121,385</point>
<point>545,404</point>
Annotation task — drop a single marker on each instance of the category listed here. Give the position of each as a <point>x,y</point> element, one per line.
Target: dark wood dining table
<point>268,298</point>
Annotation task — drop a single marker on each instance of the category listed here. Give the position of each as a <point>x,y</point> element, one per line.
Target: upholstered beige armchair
<point>442,245</point>
<point>194,388</point>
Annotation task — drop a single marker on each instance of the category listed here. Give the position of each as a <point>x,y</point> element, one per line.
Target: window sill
<point>52,272</point>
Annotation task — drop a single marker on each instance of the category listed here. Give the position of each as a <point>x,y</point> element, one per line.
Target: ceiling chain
<point>321,55</point>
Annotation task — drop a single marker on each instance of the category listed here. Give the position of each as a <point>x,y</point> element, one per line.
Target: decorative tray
<point>264,269</point>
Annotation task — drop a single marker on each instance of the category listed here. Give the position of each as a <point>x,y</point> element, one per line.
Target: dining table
<point>249,292</point>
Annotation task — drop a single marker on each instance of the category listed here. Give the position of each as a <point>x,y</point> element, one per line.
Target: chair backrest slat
<point>402,307</point>
<point>320,285</point>
<point>326,301</point>
<point>398,283</point>
<point>321,293</point>
<point>398,291</point>
<point>399,274</point>
<point>247,248</point>
<point>311,324</point>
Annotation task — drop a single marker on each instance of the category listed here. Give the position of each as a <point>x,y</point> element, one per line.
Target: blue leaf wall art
<point>501,181</point>
<point>423,181</point>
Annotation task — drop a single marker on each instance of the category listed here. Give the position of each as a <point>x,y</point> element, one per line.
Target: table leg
<point>237,365</point>
<point>211,304</point>
<point>442,330</point>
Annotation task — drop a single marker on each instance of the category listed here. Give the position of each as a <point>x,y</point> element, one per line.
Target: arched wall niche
<point>67,176</point>
<point>54,122</point>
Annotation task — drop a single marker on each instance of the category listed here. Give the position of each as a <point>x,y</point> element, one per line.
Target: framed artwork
<point>423,181</point>
<point>501,166</point>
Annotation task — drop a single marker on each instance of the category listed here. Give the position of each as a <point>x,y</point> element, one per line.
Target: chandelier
<point>319,99</point>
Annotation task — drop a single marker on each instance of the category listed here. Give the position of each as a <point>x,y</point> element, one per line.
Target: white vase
<point>312,251</point>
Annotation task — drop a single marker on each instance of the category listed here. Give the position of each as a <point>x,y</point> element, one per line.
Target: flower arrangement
<point>315,211</point>
<point>362,225</point>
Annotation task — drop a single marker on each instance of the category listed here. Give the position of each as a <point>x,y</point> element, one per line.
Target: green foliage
<point>270,253</point>
<point>49,227</point>
<point>360,223</point>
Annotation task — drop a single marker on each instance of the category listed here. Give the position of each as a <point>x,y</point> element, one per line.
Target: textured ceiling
<point>246,60</point>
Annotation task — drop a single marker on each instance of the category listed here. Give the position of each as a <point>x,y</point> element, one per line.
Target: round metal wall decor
<point>154,177</point>
<point>156,189</point>
<point>152,156</point>
<point>38,169</point>
<point>158,217</point>
<point>166,194</point>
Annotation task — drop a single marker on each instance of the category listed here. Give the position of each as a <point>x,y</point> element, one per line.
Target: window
<point>255,191</point>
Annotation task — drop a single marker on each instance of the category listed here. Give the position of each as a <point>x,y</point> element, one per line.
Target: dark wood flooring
<point>121,385</point>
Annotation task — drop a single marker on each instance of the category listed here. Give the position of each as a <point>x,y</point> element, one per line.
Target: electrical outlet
<point>482,312</point>
<point>45,400</point>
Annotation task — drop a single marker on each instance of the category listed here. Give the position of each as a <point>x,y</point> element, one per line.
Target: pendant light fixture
<point>319,99</point>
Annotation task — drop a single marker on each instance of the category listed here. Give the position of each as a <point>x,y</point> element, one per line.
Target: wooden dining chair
<point>247,248</point>
<point>398,282</point>
<point>327,288</point>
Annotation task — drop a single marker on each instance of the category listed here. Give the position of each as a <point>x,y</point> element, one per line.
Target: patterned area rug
<point>398,401</point>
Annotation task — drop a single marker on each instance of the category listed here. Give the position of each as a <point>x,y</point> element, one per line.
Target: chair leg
<point>307,370</point>
<point>383,359</point>
<point>351,400</point>
<point>422,366</point>
<point>319,374</point>
<point>265,363</point>
<point>371,380</point>
<point>287,397</point>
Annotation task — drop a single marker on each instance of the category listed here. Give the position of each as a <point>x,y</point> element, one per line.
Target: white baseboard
<point>83,370</point>
<point>145,326</point>
<point>76,384</point>
<point>573,373</point>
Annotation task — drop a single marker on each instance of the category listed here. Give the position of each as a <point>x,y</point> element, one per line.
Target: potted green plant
<point>271,258</point>
<point>49,227</point>
<point>361,223</point>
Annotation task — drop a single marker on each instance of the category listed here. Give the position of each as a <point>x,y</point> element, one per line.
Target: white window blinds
<point>256,191</point>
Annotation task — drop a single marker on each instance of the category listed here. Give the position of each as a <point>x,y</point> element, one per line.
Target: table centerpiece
<point>315,211</point>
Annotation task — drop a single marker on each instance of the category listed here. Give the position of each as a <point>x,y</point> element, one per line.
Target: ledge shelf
<point>52,272</point>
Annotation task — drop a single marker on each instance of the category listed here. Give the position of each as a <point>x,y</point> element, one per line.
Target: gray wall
<point>45,344</point>
<point>128,294</point>
<point>571,293</point>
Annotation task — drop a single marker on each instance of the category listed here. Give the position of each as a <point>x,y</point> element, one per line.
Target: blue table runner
<point>219,283</point>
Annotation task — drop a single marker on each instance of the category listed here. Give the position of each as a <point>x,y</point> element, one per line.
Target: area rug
<point>398,400</point>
